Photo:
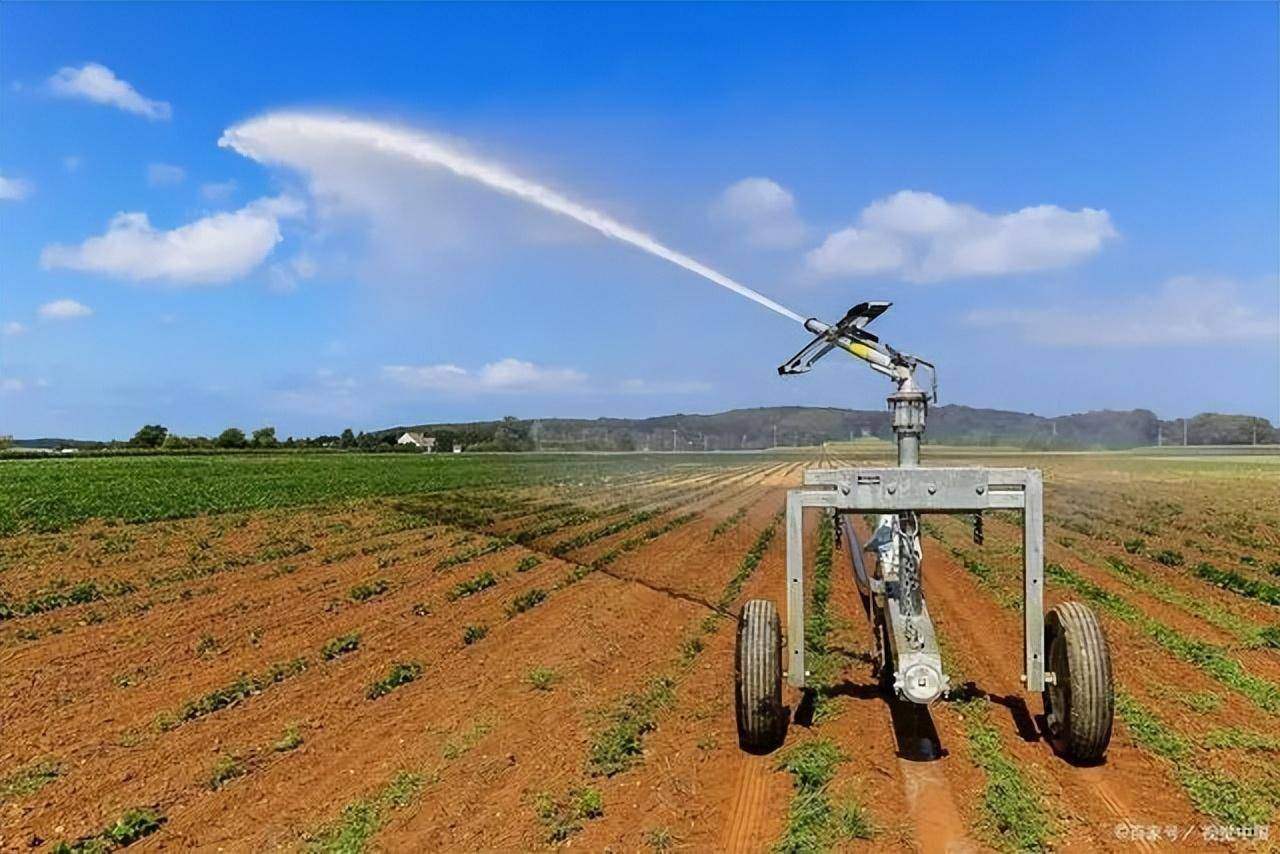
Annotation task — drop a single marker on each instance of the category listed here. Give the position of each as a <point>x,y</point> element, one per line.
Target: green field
<point>51,494</point>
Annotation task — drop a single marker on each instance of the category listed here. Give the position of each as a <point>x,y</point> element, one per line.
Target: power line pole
<point>775,435</point>
<point>1184,432</point>
<point>673,440</point>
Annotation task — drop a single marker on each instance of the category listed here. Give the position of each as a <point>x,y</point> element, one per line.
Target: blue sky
<point>1072,208</point>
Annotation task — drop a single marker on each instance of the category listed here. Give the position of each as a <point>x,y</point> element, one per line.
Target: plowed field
<point>410,654</point>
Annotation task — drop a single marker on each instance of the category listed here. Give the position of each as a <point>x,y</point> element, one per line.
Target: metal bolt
<point>980,489</point>
<point>891,489</point>
<point>932,488</point>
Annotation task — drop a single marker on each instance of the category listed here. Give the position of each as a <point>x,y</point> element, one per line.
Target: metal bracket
<point>923,490</point>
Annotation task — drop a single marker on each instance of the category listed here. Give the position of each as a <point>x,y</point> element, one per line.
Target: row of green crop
<point>51,494</point>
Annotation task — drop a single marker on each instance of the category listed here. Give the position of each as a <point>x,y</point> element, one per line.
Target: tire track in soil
<point>893,740</point>
<point>986,642</point>
<point>646,651</point>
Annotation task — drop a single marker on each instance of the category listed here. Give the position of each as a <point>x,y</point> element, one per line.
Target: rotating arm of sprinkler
<point>849,334</point>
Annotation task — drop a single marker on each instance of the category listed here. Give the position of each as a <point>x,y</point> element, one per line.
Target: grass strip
<point>814,821</point>
<point>244,687</point>
<point>1014,816</point>
<point>1239,584</point>
<point>401,673</point>
<point>620,744</point>
<point>360,820</point>
<point>126,830</point>
<point>1208,657</point>
<point>1213,793</point>
<point>56,598</point>
<point>28,780</point>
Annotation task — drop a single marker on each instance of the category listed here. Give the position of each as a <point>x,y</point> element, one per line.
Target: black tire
<point>1079,705</point>
<point>758,674</point>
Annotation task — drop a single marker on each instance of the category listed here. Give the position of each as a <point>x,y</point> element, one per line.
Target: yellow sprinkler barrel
<point>865,352</point>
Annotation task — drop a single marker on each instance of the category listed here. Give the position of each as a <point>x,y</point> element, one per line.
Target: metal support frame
<point>922,490</point>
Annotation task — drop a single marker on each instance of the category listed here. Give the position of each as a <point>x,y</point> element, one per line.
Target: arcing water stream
<point>265,138</point>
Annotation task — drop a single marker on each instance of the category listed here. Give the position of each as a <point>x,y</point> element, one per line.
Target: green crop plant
<point>290,740</point>
<point>525,601</point>
<point>1208,657</point>
<point>351,832</point>
<point>401,673</point>
<point>565,816</point>
<point>368,590</point>
<point>227,768</point>
<point>133,825</point>
<point>543,678</point>
<point>28,780</point>
<point>1014,815</point>
<point>1235,582</point>
<point>814,821</point>
<point>341,645</point>
<point>472,586</point>
<point>619,745</point>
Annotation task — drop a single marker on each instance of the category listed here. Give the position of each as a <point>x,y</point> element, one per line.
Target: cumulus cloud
<point>216,249</point>
<point>505,375</point>
<point>64,309</point>
<point>163,174</point>
<point>1184,310</point>
<point>11,385</point>
<point>12,327</point>
<point>764,210</point>
<point>922,237</point>
<point>15,189</point>
<point>97,83</point>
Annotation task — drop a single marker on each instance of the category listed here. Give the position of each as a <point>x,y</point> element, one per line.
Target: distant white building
<point>426,443</point>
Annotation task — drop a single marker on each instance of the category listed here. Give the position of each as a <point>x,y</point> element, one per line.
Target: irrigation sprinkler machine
<point>1065,654</point>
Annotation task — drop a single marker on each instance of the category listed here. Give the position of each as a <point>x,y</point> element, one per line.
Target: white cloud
<point>12,327</point>
<point>99,84</point>
<point>64,309</point>
<point>218,248</point>
<point>218,191</point>
<point>1184,310</point>
<point>925,238</point>
<point>11,385</point>
<point>165,174</point>
<point>765,211</point>
<point>15,189</point>
<point>284,277</point>
<point>505,375</point>
<point>72,162</point>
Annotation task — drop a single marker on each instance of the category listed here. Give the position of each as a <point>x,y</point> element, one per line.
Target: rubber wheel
<point>1079,705</point>
<point>758,674</point>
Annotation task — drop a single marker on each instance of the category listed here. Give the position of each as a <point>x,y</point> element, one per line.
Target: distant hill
<point>742,429</point>
<point>763,427</point>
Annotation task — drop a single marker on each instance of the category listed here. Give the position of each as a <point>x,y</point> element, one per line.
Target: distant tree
<point>174,442</point>
<point>511,435</point>
<point>149,436</point>
<point>347,439</point>
<point>232,437</point>
<point>265,437</point>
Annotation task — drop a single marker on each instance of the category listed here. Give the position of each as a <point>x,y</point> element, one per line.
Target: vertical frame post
<point>795,588</point>
<point>1033,580</point>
